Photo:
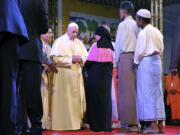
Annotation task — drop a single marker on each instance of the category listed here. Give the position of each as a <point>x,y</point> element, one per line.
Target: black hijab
<point>105,41</point>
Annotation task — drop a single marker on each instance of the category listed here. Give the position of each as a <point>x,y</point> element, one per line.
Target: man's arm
<point>43,17</point>
<point>118,43</point>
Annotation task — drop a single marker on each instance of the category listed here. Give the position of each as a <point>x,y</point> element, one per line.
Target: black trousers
<point>30,102</point>
<point>8,72</point>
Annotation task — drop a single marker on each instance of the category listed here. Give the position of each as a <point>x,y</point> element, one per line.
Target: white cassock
<point>68,96</point>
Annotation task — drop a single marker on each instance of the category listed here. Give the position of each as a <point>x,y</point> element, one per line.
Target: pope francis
<point>68,96</point>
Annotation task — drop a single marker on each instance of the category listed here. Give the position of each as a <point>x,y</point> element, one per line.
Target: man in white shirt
<point>150,104</point>
<point>124,51</point>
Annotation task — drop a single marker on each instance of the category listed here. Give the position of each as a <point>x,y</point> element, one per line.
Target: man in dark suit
<point>30,68</point>
<point>12,34</point>
<point>175,53</point>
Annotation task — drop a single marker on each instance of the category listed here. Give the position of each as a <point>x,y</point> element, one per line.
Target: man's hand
<point>53,68</point>
<point>135,66</point>
<point>50,68</point>
<point>46,68</point>
<point>76,59</point>
<point>173,71</point>
<point>173,92</point>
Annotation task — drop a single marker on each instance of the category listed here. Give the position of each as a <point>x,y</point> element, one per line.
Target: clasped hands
<point>76,59</point>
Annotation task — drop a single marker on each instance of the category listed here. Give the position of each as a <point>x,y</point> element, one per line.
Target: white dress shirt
<point>150,41</point>
<point>126,37</point>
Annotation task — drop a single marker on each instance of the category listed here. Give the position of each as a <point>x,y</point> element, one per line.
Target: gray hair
<point>73,24</point>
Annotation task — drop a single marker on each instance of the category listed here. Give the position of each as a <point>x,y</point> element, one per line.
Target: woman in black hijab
<point>98,78</point>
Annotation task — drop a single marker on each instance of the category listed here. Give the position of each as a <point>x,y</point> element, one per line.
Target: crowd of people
<point>81,81</point>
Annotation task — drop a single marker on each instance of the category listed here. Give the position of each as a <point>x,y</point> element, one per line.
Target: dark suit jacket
<point>175,53</point>
<point>35,16</point>
<point>11,21</point>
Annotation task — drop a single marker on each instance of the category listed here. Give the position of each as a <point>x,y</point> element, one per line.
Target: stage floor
<point>170,130</point>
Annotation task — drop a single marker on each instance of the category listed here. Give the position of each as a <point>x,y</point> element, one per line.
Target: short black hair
<point>128,6</point>
<point>145,20</point>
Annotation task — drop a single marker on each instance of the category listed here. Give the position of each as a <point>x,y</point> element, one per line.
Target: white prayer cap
<point>73,24</point>
<point>144,13</point>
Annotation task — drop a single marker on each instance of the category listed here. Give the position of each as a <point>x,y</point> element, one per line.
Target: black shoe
<point>25,132</point>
